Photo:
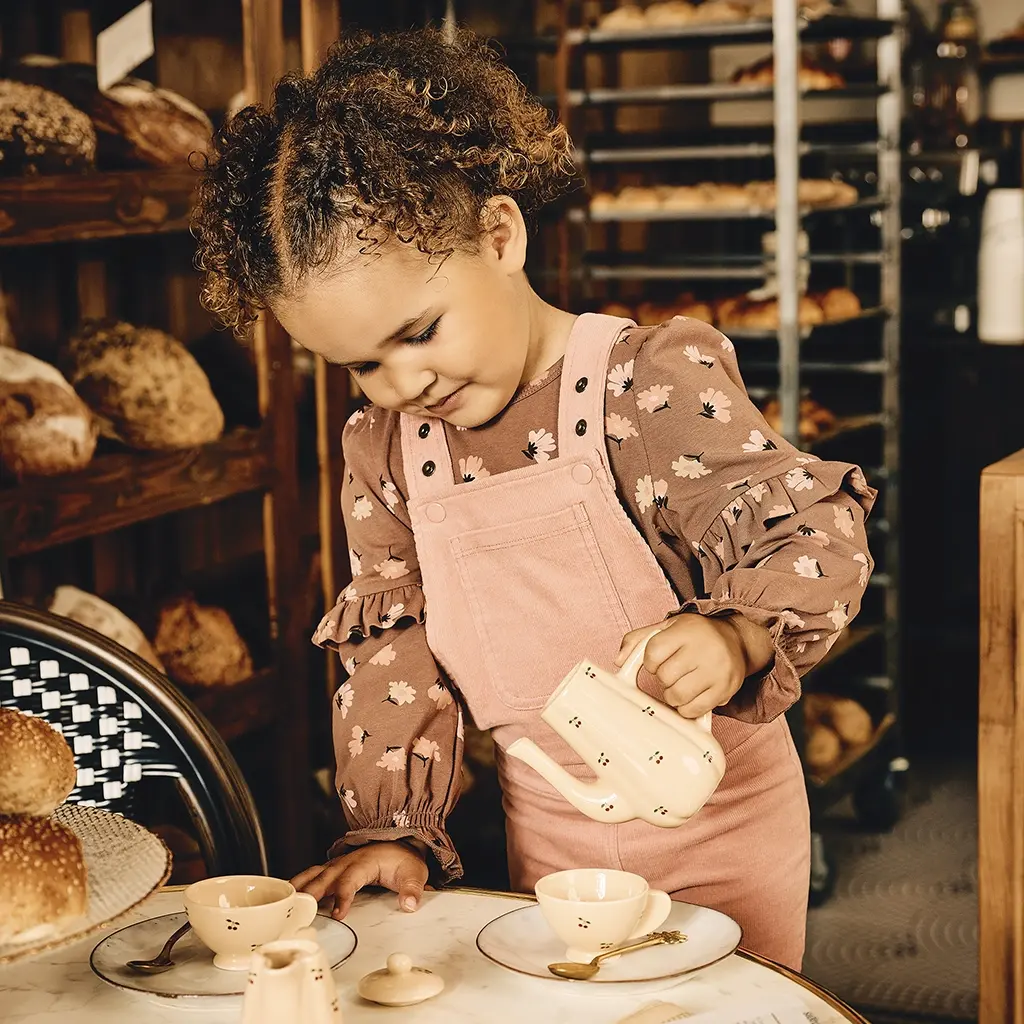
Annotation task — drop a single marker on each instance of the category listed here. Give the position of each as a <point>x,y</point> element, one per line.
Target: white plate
<point>522,941</point>
<point>125,864</point>
<point>193,974</point>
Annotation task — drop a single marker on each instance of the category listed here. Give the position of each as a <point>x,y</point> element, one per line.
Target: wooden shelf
<point>68,208</point>
<point>845,425</point>
<point>850,640</point>
<point>117,490</point>
<point>238,710</point>
<point>852,755</point>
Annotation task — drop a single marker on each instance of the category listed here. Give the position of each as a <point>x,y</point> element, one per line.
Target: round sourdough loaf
<point>145,387</point>
<point>37,768</point>
<point>42,878</point>
<point>45,428</point>
<point>200,645</point>
<point>42,133</point>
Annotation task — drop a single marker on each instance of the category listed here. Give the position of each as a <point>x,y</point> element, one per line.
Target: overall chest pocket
<point>541,598</point>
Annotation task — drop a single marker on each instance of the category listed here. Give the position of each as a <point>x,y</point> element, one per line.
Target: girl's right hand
<point>390,864</point>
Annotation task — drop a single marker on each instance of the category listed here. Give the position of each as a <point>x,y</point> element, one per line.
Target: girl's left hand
<point>701,661</point>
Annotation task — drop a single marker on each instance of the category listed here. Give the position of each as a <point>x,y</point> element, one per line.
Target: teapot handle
<point>630,671</point>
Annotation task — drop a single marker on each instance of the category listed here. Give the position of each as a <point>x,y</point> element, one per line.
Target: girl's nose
<point>409,384</point>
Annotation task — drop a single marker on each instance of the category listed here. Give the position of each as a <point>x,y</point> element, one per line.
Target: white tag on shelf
<point>123,46</point>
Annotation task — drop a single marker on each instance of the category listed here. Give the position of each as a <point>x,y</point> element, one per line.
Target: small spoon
<point>162,961</point>
<point>583,972</point>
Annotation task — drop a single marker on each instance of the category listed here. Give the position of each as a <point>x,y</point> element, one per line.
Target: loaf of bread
<point>739,312</point>
<point>839,304</point>
<point>850,721</point>
<point>669,13</point>
<point>43,886</point>
<point>91,611</point>
<point>41,133</point>
<point>143,385</point>
<point>200,645</point>
<point>822,747</point>
<point>624,18</point>
<point>45,428</point>
<point>814,419</point>
<point>810,75</point>
<point>712,11</point>
<point>137,124</point>
<point>37,768</point>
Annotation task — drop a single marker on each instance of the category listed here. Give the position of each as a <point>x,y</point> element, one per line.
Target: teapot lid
<point>400,983</point>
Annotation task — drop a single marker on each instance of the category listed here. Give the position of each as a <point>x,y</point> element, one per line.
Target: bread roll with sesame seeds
<point>37,768</point>
<point>43,884</point>
<point>41,133</point>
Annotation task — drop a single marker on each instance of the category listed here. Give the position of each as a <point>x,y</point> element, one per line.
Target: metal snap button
<point>581,427</point>
<point>582,473</point>
<point>424,429</point>
<point>581,384</point>
<point>435,512</point>
<point>428,468</point>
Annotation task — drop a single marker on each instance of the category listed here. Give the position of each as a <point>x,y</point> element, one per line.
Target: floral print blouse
<point>738,519</point>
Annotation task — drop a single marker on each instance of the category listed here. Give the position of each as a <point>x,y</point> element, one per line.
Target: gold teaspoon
<point>583,972</point>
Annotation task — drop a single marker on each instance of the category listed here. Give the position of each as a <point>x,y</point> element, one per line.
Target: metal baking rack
<point>865,663</point>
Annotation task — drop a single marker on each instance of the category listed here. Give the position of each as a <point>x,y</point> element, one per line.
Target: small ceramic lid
<point>400,984</point>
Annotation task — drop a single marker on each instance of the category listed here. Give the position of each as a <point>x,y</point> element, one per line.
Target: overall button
<point>581,427</point>
<point>581,384</point>
<point>428,468</point>
<point>435,512</point>
<point>424,429</point>
<point>581,473</point>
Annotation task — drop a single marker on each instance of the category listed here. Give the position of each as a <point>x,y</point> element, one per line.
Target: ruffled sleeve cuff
<point>423,827</point>
<point>355,618</point>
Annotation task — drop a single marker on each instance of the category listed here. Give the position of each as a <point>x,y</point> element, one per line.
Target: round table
<point>60,988</point>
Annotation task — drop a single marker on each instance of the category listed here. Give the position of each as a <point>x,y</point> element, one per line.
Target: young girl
<point>526,488</point>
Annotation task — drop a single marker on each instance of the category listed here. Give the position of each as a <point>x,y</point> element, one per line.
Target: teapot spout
<point>593,799</point>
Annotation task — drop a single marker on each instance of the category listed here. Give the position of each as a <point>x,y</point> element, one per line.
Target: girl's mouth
<point>447,403</point>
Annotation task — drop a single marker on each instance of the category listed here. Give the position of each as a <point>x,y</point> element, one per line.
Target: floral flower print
<point>650,493</point>
<point>690,467</point>
<point>865,568</point>
<point>695,355</point>
<point>356,417</point>
<point>362,507</point>
<point>439,694</point>
<point>720,550</point>
<point>349,665</point>
<point>392,567</point>
<point>779,512</point>
<point>540,445</point>
<point>472,468</point>
<point>759,443</point>
<point>758,491</point>
<point>715,405</point>
<point>349,593</point>
<point>399,693</point>
<point>802,460</point>
<point>343,698</point>
<point>799,480</point>
<point>390,492</point>
<point>617,428</point>
<point>426,750</point>
<point>737,484</point>
<point>359,737</point>
<point>818,536</point>
<point>391,616</point>
<point>727,345</point>
<point>791,620</point>
<point>808,568</point>
<point>843,519</point>
<point>348,798</point>
<point>654,398</point>
<point>393,759</point>
<point>620,378</point>
<point>355,562</point>
<point>384,656</point>
<point>733,513</point>
<point>400,819</point>
<point>839,614</point>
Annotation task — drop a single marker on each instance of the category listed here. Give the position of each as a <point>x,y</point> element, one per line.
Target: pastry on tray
<point>743,312</point>
<point>37,768</point>
<point>814,420</point>
<point>839,304</point>
<point>670,13</point>
<point>811,76</point>
<point>627,18</point>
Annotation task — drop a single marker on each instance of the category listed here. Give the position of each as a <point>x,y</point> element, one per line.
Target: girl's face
<point>451,340</point>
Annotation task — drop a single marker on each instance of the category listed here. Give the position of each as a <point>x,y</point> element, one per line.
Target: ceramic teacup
<point>236,914</point>
<point>594,909</point>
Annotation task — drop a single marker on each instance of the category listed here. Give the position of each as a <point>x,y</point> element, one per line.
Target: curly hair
<point>401,136</point>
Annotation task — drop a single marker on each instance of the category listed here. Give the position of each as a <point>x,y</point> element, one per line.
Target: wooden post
<point>1001,744</point>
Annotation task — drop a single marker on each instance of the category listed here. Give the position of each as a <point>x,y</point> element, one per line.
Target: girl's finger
<point>300,880</point>
<point>699,705</point>
<point>677,669</point>
<point>629,644</point>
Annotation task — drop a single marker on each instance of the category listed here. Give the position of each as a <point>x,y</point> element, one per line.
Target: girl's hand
<point>701,661</point>
<point>391,864</point>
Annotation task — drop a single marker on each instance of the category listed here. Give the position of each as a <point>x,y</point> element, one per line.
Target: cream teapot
<point>650,762</point>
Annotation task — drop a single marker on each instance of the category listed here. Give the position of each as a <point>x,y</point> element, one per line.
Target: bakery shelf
<point>691,272</point>
<point>867,366</point>
<point>241,708</point>
<point>117,490</point>
<point>657,213</point>
<point>713,92</point>
<point>754,30</point>
<point>853,755</point>
<point>78,207</point>
<point>740,151</point>
<point>850,639</point>
<point>880,579</point>
<point>871,313</point>
<point>848,425</point>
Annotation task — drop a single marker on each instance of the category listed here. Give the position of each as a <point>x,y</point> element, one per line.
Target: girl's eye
<point>424,336</point>
<point>364,370</point>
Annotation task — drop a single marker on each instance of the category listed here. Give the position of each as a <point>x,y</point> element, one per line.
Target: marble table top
<point>60,987</point>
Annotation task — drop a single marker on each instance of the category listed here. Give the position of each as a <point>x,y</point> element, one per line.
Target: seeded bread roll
<point>41,133</point>
<point>37,768</point>
<point>145,387</point>
<point>839,304</point>
<point>45,428</point>
<point>43,884</point>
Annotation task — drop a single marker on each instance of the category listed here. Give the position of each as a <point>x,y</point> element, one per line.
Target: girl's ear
<point>504,234</point>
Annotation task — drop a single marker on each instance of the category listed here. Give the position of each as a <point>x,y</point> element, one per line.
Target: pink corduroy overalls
<point>527,572</point>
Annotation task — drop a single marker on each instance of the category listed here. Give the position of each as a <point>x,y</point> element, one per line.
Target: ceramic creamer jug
<point>289,980</point>
<point>650,762</point>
